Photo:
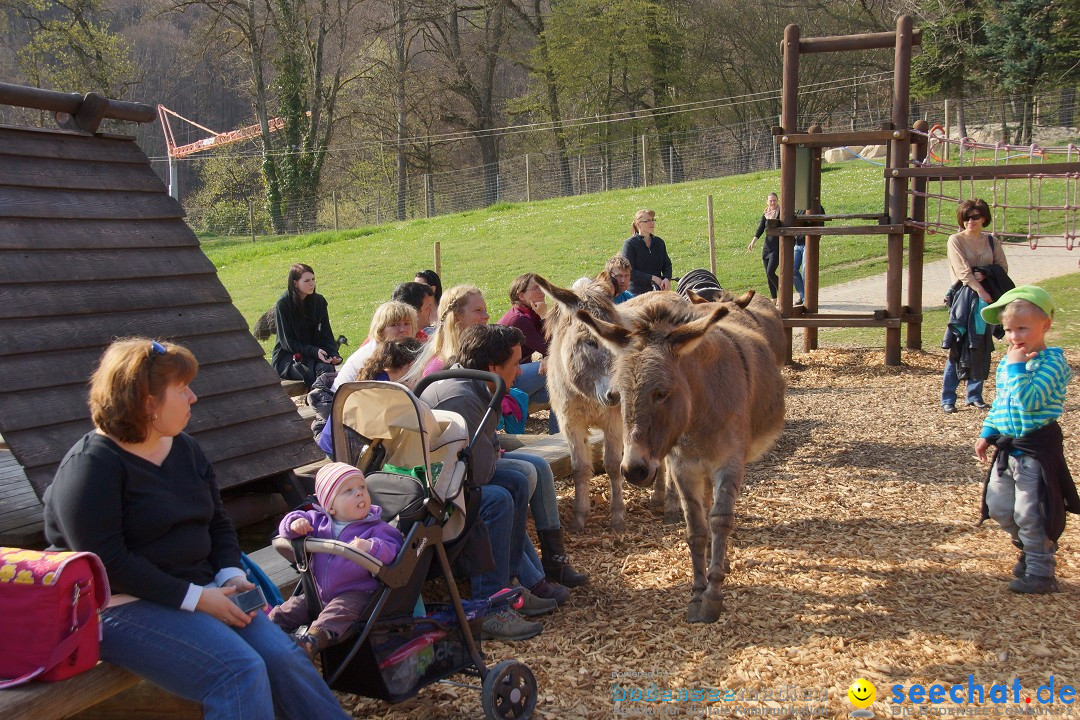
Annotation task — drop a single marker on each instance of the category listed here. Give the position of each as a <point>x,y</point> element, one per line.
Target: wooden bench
<point>108,691</point>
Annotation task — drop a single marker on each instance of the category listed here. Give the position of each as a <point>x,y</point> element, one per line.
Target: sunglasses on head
<point>157,348</point>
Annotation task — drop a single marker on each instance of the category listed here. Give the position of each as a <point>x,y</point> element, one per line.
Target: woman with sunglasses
<point>650,266</point>
<point>140,494</point>
<point>970,251</point>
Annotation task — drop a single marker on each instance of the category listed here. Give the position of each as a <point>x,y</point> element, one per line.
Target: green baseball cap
<point>1032,293</point>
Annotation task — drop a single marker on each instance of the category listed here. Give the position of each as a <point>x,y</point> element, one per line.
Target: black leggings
<point>771,260</point>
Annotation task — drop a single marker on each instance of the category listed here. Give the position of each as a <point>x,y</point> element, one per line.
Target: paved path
<point>1026,266</point>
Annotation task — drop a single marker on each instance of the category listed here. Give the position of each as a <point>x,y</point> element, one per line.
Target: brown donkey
<point>699,385</point>
<point>578,380</point>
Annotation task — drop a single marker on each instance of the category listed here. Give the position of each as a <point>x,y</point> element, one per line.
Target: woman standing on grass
<point>305,347</point>
<point>650,266</point>
<point>141,495</point>
<point>770,250</point>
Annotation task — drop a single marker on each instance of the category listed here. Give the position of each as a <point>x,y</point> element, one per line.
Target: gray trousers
<point>1016,501</point>
<point>339,616</point>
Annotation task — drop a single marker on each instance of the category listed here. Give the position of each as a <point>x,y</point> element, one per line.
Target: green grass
<point>562,239</point>
<point>1064,333</point>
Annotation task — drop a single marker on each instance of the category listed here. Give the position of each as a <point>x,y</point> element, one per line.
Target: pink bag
<point>50,605</point>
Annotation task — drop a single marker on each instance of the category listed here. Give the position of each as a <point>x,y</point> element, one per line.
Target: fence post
<point>776,144</point>
<point>712,236</point>
<point>584,172</point>
<point>251,220</point>
<point>528,185</point>
<point>427,194</point>
<point>336,227</point>
<point>671,165</point>
<point>378,207</point>
<point>644,171</point>
<point>438,258</point>
<point>945,145</point>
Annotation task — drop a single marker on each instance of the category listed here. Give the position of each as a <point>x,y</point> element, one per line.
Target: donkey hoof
<point>710,610</point>
<point>577,524</point>
<point>618,524</point>
<point>656,503</point>
<point>673,518</point>
<point>693,611</point>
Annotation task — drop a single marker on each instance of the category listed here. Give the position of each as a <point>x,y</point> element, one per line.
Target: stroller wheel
<point>509,691</point>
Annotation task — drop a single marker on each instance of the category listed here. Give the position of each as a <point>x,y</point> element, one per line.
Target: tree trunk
<point>399,52</point>
<point>961,125</point>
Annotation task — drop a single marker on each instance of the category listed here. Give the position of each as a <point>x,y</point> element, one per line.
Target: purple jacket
<point>334,575</point>
<point>528,322</point>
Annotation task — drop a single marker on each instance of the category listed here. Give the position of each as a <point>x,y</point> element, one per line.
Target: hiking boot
<point>948,409</point>
<point>550,591</point>
<point>556,564</point>
<point>507,625</point>
<point>1020,568</point>
<point>1034,585</point>
<point>534,605</point>
<point>979,405</point>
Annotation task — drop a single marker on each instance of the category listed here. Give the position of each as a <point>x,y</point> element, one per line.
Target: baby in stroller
<point>344,512</point>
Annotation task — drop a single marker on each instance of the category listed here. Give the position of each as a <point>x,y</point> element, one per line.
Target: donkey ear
<point>745,299</point>
<point>562,295</point>
<point>685,338</point>
<point>615,337</point>
<point>695,298</point>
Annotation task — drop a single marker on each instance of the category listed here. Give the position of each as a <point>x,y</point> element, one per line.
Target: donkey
<point>700,386</point>
<point>578,380</point>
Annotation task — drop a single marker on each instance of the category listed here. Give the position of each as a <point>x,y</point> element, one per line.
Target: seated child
<point>1028,488</point>
<point>344,512</point>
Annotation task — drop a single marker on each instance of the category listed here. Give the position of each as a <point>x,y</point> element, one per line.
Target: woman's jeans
<point>252,672</point>
<point>1015,499</point>
<point>533,384</point>
<point>796,275</point>
<point>544,506</point>
<point>951,381</point>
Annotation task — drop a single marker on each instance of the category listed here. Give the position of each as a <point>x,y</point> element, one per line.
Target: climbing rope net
<point>1050,200</point>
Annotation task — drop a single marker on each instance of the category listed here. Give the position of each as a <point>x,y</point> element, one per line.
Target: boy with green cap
<point>1028,488</point>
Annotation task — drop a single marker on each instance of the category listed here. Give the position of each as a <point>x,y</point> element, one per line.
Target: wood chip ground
<point>856,553</point>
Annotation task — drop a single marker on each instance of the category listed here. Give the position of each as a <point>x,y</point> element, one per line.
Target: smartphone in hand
<point>249,599</point>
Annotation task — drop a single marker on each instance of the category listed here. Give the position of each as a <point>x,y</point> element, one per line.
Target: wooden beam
<point>845,230</point>
<point>847,216</point>
<point>867,41</point>
<point>984,172</point>
<point>863,137</point>
<point>71,103</point>
<point>824,321</point>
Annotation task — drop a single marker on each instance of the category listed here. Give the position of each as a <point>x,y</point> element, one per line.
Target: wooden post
<point>378,207</point>
<point>251,220</point>
<point>898,158</point>
<point>438,258</point>
<point>427,195</point>
<point>584,172</point>
<point>335,212</point>
<point>671,165</point>
<point>712,236</point>
<point>811,253</point>
<point>528,186</point>
<point>945,146</point>
<point>644,162</point>
<point>916,247</point>
<point>789,124</point>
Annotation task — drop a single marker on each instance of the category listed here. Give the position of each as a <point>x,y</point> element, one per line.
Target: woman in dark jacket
<point>650,266</point>
<point>305,347</point>
<point>770,251</point>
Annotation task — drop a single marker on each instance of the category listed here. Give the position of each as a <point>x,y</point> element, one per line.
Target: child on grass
<point>344,512</point>
<point>1028,488</point>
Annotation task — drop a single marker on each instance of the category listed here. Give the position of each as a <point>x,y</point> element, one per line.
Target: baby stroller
<point>383,429</point>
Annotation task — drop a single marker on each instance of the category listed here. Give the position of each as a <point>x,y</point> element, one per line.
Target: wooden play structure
<point>93,249</point>
<point>800,188</point>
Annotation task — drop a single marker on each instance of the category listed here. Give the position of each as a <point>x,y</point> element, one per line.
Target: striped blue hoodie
<point>1029,395</point>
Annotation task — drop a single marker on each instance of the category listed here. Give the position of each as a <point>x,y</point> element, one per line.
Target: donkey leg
<point>721,522</point>
<point>581,467</point>
<point>697,537</point>
<point>673,514</point>
<point>612,462</point>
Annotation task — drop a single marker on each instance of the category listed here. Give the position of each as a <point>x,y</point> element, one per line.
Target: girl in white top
<point>392,321</point>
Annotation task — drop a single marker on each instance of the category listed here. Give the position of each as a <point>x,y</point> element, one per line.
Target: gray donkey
<point>703,393</point>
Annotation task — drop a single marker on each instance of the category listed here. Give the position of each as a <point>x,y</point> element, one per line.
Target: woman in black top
<point>770,251</point>
<point>141,495</point>
<point>305,347</point>
<point>650,266</point>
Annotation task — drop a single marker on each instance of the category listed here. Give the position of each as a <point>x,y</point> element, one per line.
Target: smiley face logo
<point>862,694</point>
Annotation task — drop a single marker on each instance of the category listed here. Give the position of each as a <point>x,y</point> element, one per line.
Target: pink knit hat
<point>330,479</point>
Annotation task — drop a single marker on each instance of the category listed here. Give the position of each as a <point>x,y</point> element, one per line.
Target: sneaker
<point>507,625</point>
<point>1020,568</point>
<point>550,590</point>
<point>948,409</point>
<point>1034,585</point>
<point>309,644</point>
<point>532,605</point>
<point>979,405</point>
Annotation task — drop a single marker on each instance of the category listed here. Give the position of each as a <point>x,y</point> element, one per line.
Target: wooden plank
<point>89,204</point>
<point>255,436</point>
<point>820,322</point>
<point>23,371</point>
<point>237,471</point>
<point>69,146</point>
<point>32,267</point>
<point>978,172</point>
<point>26,409</point>
<point>555,450</point>
<point>277,568</point>
<point>866,41</point>
<point>846,230</point>
<point>63,333</point>
<point>84,234</point>
<point>847,216</point>
<point>24,171</point>
<point>294,388</point>
<point>49,299</point>
<point>50,701</point>
<point>143,701</point>
<point>839,139</point>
